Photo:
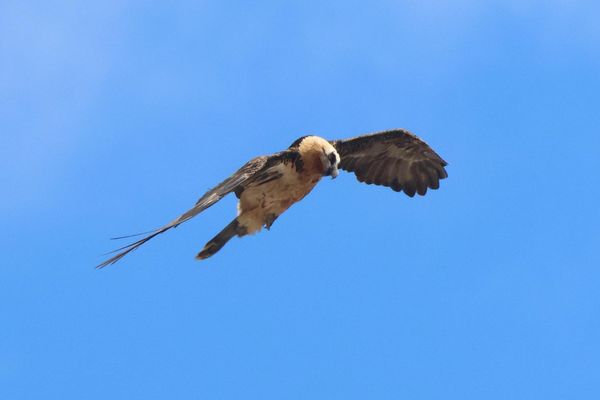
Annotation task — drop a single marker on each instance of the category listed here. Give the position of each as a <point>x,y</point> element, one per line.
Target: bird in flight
<point>266,186</point>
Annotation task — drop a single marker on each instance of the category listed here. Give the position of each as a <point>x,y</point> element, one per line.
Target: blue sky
<point>116,116</point>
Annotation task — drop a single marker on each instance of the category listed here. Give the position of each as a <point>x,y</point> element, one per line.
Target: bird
<point>267,186</point>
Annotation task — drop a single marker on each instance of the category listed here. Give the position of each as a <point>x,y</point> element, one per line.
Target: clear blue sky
<point>116,116</point>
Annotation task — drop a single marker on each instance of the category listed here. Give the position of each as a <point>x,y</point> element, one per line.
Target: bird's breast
<point>279,194</point>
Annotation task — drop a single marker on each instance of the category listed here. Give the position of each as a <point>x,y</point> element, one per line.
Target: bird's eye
<point>332,158</point>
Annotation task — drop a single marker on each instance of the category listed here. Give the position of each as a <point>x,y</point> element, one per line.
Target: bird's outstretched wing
<point>394,158</point>
<point>257,171</point>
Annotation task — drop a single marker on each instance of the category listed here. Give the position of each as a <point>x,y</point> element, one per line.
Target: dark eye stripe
<point>332,158</point>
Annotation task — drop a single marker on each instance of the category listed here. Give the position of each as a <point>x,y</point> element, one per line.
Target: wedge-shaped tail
<point>215,244</point>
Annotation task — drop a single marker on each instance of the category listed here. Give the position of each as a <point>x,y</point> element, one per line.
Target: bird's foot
<point>269,220</point>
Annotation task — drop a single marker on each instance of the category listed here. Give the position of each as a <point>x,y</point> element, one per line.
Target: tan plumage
<point>267,186</point>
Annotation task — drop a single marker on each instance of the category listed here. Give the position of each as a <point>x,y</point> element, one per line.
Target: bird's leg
<point>269,220</point>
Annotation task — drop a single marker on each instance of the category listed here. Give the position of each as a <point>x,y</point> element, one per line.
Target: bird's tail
<point>215,244</point>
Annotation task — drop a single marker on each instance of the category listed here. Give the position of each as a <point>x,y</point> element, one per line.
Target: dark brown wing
<point>256,171</point>
<point>394,158</point>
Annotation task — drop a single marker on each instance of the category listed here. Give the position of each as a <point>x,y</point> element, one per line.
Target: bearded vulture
<point>266,186</point>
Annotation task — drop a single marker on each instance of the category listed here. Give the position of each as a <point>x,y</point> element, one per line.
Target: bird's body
<point>263,201</point>
<point>267,186</point>
<point>260,202</point>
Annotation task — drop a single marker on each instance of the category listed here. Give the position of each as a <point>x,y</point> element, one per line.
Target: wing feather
<point>394,158</point>
<point>434,180</point>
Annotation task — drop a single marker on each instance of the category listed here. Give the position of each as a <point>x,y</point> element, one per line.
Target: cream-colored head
<point>319,156</point>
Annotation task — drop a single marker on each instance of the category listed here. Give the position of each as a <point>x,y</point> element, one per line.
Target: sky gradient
<point>116,116</point>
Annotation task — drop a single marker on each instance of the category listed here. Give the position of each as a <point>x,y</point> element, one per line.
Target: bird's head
<point>319,155</point>
<point>330,160</point>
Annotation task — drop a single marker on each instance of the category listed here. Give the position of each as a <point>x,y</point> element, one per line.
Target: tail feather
<point>216,243</point>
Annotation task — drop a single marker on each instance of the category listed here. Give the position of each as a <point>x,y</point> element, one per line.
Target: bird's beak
<point>333,172</point>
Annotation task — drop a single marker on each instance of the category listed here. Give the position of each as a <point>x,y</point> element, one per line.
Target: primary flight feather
<point>266,186</point>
